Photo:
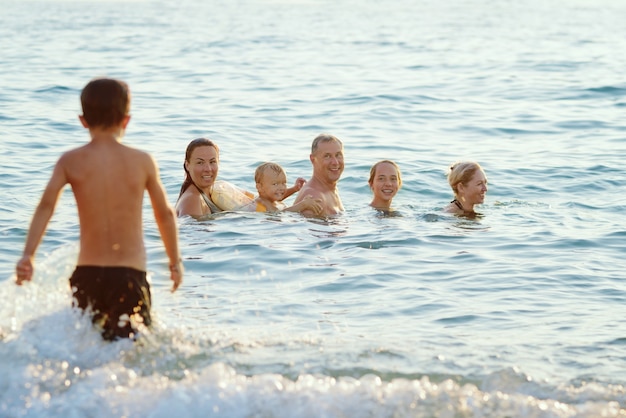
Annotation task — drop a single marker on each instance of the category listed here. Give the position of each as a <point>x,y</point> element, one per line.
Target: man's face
<point>328,161</point>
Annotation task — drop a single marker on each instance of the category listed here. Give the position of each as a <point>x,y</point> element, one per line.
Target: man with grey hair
<point>327,159</point>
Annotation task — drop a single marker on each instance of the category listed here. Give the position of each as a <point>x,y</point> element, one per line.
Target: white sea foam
<point>55,364</point>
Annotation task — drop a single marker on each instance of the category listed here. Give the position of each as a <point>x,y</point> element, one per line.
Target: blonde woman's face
<point>474,191</point>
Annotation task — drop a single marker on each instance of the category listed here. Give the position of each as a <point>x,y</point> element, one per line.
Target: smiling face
<point>203,166</point>
<point>328,161</point>
<point>272,185</point>
<point>385,183</point>
<point>473,192</point>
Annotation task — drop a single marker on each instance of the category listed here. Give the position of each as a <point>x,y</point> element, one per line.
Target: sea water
<point>518,313</point>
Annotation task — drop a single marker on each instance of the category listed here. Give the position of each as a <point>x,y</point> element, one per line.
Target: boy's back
<point>108,180</point>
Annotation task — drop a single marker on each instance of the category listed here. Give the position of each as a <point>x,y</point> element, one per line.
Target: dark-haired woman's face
<point>203,166</point>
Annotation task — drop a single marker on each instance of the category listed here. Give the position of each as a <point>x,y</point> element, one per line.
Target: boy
<point>271,183</point>
<point>108,180</point>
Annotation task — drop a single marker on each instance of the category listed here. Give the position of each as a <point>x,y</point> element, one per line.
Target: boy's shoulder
<point>75,154</point>
<point>136,152</point>
<point>93,155</point>
<point>99,149</point>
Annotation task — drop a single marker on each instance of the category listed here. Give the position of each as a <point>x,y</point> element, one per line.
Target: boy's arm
<point>39,223</point>
<point>166,221</point>
<point>295,188</point>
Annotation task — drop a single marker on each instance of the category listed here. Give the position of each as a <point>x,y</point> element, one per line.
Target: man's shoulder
<point>319,189</point>
<point>310,188</point>
<point>316,193</point>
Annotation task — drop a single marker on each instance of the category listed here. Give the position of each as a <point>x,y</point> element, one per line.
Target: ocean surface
<point>518,313</point>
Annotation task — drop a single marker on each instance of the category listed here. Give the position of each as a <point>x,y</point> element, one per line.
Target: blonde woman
<point>469,184</point>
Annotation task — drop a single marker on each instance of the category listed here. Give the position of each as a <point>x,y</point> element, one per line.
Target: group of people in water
<point>109,180</point>
<point>317,197</point>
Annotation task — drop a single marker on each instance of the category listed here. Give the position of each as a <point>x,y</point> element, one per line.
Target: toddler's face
<point>272,186</point>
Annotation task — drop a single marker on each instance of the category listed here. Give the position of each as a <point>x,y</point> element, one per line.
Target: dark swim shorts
<point>114,295</point>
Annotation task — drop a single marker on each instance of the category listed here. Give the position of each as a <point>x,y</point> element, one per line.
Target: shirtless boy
<point>327,159</point>
<point>108,180</point>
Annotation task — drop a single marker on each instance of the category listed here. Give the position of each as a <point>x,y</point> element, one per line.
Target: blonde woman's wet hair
<point>375,166</point>
<point>462,172</point>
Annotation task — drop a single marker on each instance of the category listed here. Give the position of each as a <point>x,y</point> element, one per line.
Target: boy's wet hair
<point>105,102</point>
<point>260,170</point>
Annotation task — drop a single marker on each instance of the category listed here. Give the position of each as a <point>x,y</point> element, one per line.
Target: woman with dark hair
<point>201,167</point>
<point>469,184</point>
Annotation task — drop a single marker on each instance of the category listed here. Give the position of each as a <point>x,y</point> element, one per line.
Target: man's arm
<point>39,223</point>
<point>166,221</point>
<point>307,204</point>
<point>309,192</point>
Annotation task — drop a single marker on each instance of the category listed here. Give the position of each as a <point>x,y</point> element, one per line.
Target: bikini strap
<point>458,204</point>
<point>212,206</point>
